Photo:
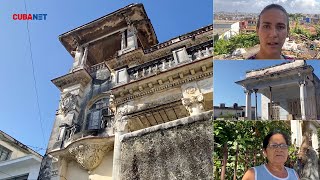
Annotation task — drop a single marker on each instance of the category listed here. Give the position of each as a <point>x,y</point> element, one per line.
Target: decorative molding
<point>162,87</point>
<point>89,156</point>
<point>128,109</point>
<point>68,103</point>
<point>112,104</point>
<point>193,102</point>
<point>103,74</point>
<point>191,90</point>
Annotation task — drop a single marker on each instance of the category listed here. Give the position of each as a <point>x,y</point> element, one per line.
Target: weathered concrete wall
<point>180,149</point>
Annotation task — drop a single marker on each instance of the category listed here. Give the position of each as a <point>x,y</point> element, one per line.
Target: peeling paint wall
<point>176,151</point>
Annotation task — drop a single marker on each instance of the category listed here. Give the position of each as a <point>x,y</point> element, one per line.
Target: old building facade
<point>123,81</point>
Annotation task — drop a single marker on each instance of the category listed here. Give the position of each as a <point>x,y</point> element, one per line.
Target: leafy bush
<point>222,46</point>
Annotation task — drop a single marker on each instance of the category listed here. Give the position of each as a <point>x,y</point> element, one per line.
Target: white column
<point>120,130</point>
<point>256,104</point>
<point>84,57</point>
<point>78,54</point>
<point>314,137</point>
<point>303,98</point>
<point>296,130</point>
<point>248,104</point>
<point>123,39</point>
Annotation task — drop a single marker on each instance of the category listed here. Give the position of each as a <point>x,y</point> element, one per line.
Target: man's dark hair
<point>274,6</point>
<point>267,138</point>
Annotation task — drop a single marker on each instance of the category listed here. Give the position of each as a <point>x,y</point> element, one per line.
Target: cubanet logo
<point>29,16</point>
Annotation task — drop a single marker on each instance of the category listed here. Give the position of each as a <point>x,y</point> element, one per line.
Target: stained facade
<point>124,81</point>
<point>289,91</point>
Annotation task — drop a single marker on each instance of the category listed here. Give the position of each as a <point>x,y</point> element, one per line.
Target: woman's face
<point>274,153</point>
<point>272,32</point>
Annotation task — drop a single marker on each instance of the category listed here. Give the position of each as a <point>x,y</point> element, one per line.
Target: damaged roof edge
<point>274,66</point>
<point>18,143</point>
<point>282,71</point>
<point>101,18</point>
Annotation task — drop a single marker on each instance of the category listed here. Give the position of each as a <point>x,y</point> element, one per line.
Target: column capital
<point>194,104</point>
<point>121,124</point>
<point>247,91</point>
<point>302,82</point>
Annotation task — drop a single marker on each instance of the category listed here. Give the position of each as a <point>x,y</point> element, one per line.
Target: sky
<point>255,6</point>
<point>19,112</point>
<point>226,73</point>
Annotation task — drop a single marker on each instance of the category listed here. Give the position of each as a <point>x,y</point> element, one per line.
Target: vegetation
<point>227,116</point>
<point>297,30</point>
<point>248,137</point>
<point>222,46</point>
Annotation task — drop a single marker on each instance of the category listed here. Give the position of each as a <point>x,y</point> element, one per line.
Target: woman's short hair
<point>274,6</point>
<point>267,138</point>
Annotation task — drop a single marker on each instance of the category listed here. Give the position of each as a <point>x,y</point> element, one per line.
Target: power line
<point>34,77</point>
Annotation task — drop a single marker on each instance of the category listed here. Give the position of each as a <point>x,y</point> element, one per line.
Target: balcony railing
<point>194,53</point>
<point>97,67</point>
<point>180,38</point>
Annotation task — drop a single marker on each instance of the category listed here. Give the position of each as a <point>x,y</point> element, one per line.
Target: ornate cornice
<point>77,77</point>
<point>170,84</point>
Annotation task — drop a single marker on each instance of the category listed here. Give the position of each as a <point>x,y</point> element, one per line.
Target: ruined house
<point>132,108</point>
<point>289,91</point>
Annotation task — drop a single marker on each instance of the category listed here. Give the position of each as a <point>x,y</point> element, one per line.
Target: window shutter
<point>95,120</point>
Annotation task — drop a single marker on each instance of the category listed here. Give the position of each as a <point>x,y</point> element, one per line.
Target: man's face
<point>272,31</point>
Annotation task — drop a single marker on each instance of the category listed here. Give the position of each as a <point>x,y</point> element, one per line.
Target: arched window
<point>99,116</point>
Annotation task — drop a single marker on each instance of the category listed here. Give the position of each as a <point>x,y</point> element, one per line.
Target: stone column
<point>248,104</point>
<point>120,129</point>
<point>303,98</point>
<point>270,110</point>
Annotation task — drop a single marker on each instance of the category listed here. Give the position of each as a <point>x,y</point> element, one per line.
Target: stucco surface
<point>176,151</point>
